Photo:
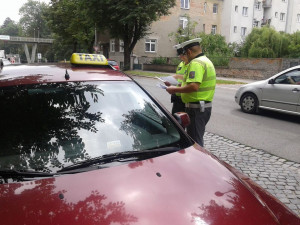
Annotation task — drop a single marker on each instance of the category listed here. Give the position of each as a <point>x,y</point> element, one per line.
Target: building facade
<point>234,19</point>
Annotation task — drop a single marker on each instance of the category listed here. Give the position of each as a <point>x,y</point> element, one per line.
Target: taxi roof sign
<point>88,59</point>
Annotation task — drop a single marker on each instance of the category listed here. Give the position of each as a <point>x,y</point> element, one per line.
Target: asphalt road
<point>276,133</point>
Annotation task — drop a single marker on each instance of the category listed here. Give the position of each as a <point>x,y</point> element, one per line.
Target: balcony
<point>267,3</point>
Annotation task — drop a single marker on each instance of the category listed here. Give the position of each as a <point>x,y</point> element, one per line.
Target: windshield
<point>48,127</point>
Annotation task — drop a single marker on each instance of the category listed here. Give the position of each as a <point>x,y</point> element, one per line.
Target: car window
<point>47,127</point>
<point>113,63</point>
<point>291,77</point>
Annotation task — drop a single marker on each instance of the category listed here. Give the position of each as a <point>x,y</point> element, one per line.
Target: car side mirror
<point>182,118</point>
<point>272,81</point>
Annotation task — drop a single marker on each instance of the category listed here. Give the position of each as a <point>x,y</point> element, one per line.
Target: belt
<point>197,105</point>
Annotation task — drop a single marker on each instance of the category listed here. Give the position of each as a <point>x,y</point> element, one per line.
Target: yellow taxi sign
<point>88,59</point>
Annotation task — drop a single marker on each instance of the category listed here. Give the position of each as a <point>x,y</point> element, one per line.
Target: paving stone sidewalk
<point>278,176</point>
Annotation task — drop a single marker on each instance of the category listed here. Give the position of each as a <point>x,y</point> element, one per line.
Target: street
<point>276,133</point>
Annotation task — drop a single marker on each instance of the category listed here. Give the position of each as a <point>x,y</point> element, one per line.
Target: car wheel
<point>249,103</point>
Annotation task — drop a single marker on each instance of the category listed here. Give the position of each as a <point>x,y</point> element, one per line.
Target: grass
<point>154,74</point>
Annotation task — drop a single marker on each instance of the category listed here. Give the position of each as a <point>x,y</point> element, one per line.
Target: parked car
<point>88,145</point>
<point>5,62</point>
<point>280,93</point>
<point>113,63</point>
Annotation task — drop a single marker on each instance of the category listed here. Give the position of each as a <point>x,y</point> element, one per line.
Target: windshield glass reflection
<point>46,127</point>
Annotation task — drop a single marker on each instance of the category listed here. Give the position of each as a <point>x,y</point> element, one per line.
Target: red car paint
<point>186,187</point>
<point>190,186</point>
<point>18,75</point>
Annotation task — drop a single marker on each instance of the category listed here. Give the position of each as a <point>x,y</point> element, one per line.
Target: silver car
<point>280,92</point>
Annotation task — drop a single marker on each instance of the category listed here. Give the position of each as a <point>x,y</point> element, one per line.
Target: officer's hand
<point>171,90</point>
<point>167,83</point>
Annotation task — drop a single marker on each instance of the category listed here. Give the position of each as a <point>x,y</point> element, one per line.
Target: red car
<point>88,145</point>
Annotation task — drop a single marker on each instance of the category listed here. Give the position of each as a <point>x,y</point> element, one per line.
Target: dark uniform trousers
<point>198,122</point>
<point>178,105</point>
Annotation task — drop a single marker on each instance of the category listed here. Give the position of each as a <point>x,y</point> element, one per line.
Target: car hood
<point>185,187</point>
<point>260,83</point>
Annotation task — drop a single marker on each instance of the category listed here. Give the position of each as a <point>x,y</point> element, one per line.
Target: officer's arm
<point>190,87</point>
<point>178,76</point>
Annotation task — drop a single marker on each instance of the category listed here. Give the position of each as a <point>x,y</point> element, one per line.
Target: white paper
<point>161,86</point>
<point>169,79</point>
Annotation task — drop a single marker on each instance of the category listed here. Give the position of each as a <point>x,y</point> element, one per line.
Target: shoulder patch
<point>192,75</point>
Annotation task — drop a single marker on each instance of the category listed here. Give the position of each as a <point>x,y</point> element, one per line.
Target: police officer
<point>178,105</point>
<point>198,88</point>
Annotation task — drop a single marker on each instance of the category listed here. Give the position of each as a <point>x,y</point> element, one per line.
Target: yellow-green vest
<point>200,70</point>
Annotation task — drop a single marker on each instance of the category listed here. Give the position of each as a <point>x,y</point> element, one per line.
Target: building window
<point>276,14</point>
<point>213,29</point>
<point>215,8</point>
<point>205,7</point>
<point>282,16</point>
<point>204,28</point>
<point>150,45</point>
<point>236,8</point>
<point>298,18</point>
<point>255,23</point>
<point>185,4</point>
<point>183,22</point>
<point>112,45</point>
<point>245,11</point>
<point>121,45</point>
<point>258,5</point>
<point>234,29</point>
<point>243,31</point>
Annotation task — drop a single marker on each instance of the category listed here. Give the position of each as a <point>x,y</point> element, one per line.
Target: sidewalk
<point>278,176</point>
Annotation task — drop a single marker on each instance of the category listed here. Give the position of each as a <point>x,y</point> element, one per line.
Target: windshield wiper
<point>119,157</point>
<point>23,173</point>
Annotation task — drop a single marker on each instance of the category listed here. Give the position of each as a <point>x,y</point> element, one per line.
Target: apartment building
<point>239,17</point>
<point>206,13</point>
<point>234,19</point>
<point>283,15</point>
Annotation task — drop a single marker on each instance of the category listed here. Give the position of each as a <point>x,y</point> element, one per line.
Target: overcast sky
<point>10,8</point>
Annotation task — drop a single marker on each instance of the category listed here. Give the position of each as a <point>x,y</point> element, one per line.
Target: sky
<point>10,8</point>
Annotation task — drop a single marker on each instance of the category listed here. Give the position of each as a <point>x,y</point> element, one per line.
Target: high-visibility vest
<point>181,69</point>
<point>200,70</point>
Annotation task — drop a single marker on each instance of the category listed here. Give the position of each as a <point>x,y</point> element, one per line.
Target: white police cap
<point>190,43</point>
<point>178,48</point>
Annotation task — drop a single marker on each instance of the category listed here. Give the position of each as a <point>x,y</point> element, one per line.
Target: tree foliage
<point>294,47</point>
<point>9,27</point>
<point>212,44</point>
<point>33,20</point>
<point>265,42</point>
<point>72,27</point>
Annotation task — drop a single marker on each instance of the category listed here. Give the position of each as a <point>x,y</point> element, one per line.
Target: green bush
<point>159,60</point>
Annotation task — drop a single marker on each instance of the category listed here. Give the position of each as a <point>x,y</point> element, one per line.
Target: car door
<point>283,92</point>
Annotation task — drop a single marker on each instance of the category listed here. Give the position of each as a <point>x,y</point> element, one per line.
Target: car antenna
<point>67,76</point>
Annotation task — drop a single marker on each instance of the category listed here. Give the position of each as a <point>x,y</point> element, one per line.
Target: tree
<point>32,19</point>
<point>9,27</point>
<point>71,26</point>
<point>186,33</point>
<point>265,42</point>
<point>128,20</point>
<point>212,44</point>
<point>294,47</point>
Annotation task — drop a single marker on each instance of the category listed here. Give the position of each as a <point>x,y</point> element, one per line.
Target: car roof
<point>35,74</point>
